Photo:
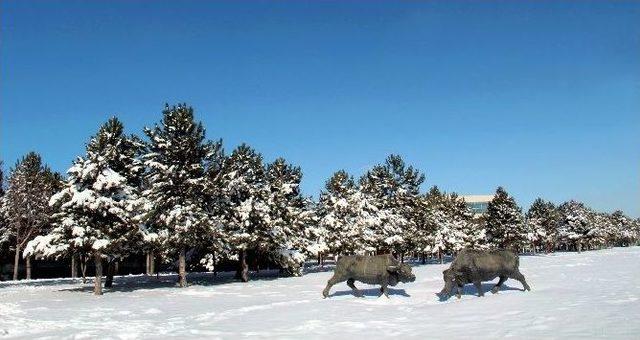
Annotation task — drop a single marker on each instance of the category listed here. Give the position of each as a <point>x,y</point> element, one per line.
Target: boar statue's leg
<point>332,281</point>
<point>478,285</point>
<point>496,288</point>
<point>384,290</point>
<point>518,276</point>
<point>356,292</point>
<point>459,291</point>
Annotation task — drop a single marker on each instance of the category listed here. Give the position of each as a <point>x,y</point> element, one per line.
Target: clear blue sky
<point>540,97</point>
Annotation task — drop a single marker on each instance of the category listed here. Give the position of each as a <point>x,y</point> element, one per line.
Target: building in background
<point>478,203</point>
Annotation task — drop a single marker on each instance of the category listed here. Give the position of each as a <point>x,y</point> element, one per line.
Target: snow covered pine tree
<point>575,223</point>
<point>542,220</point>
<point>247,212</point>
<point>504,222</point>
<point>25,207</point>
<point>292,224</point>
<point>98,202</point>
<point>177,158</point>
<point>336,212</point>
<point>391,194</point>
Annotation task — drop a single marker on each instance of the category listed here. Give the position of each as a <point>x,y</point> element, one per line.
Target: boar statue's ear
<point>392,269</point>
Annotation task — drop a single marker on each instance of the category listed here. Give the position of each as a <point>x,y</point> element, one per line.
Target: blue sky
<point>540,97</point>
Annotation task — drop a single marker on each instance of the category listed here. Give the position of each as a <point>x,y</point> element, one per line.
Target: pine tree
<point>435,233</point>
<point>473,235</point>
<point>336,211</point>
<point>247,212</point>
<point>542,220</point>
<point>1,179</point>
<point>622,229</point>
<point>504,223</point>
<point>5,234</point>
<point>4,230</point>
<point>292,219</point>
<point>603,232</point>
<point>575,223</point>
<point>177,159</point>
<point>25,207</point>
<point>405,198</point>
<point>448,225</point>
<point>391,191</point>
<point>426,223</point>
<point>98,203</point>
<point>381,222</point>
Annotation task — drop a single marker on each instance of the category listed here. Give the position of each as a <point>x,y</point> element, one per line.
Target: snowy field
<point>593,294</point>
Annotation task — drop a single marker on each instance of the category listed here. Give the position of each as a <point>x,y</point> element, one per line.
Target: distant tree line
<point>179,198</point>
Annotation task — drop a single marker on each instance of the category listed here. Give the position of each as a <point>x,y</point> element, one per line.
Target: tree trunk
<point>424,259</point>
<point>108,283</point>
<point>83,268</point>
<point>28,266</point>
<point>97,284</point>
<point>182,268</point>
<point>116,268</point>
<point>255,263</point>
<point>74,267</point>
<point>402,258</point>
<point>152,262</point>
<point>440,256</point>
<point>146,263</point>
<point>243,269</point>
<point>16,263</point>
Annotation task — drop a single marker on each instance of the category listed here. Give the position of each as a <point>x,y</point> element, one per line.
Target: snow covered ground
<point>593,294</point>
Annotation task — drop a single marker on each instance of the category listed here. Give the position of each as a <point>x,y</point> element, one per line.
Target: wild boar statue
<point>475,266</point>
<point>383,270</point>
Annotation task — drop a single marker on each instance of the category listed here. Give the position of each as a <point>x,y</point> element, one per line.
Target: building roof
<point>477,198</point>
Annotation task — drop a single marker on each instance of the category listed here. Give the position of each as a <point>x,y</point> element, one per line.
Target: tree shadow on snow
<point>371,292</point>
<point>133,283</point>
<point>40,282</point>
<point>319,269</point>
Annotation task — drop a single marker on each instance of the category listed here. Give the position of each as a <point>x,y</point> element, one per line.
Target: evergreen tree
<point>504,223</point>
<point>542,221</point>
<point>603,232</point>
<point>391,191</point>
<point>575,223</point>
<point>1,179</point>
<point>427,222</point>
<point>98,203</point>
<point>437,234</point>
<point>623,233</point>
<point>247,212</point>
<point>381,223</point>
<point>293,235</point>
<point>336,211</point>
<point>177,159</point>
<point>4,230</point>
<point>450,227</point>
<point>473,235</point>
<point>25,207</point>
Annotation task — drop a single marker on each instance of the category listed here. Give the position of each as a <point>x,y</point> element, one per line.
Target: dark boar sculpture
<point>383,270</point>
<point>475,266</point>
